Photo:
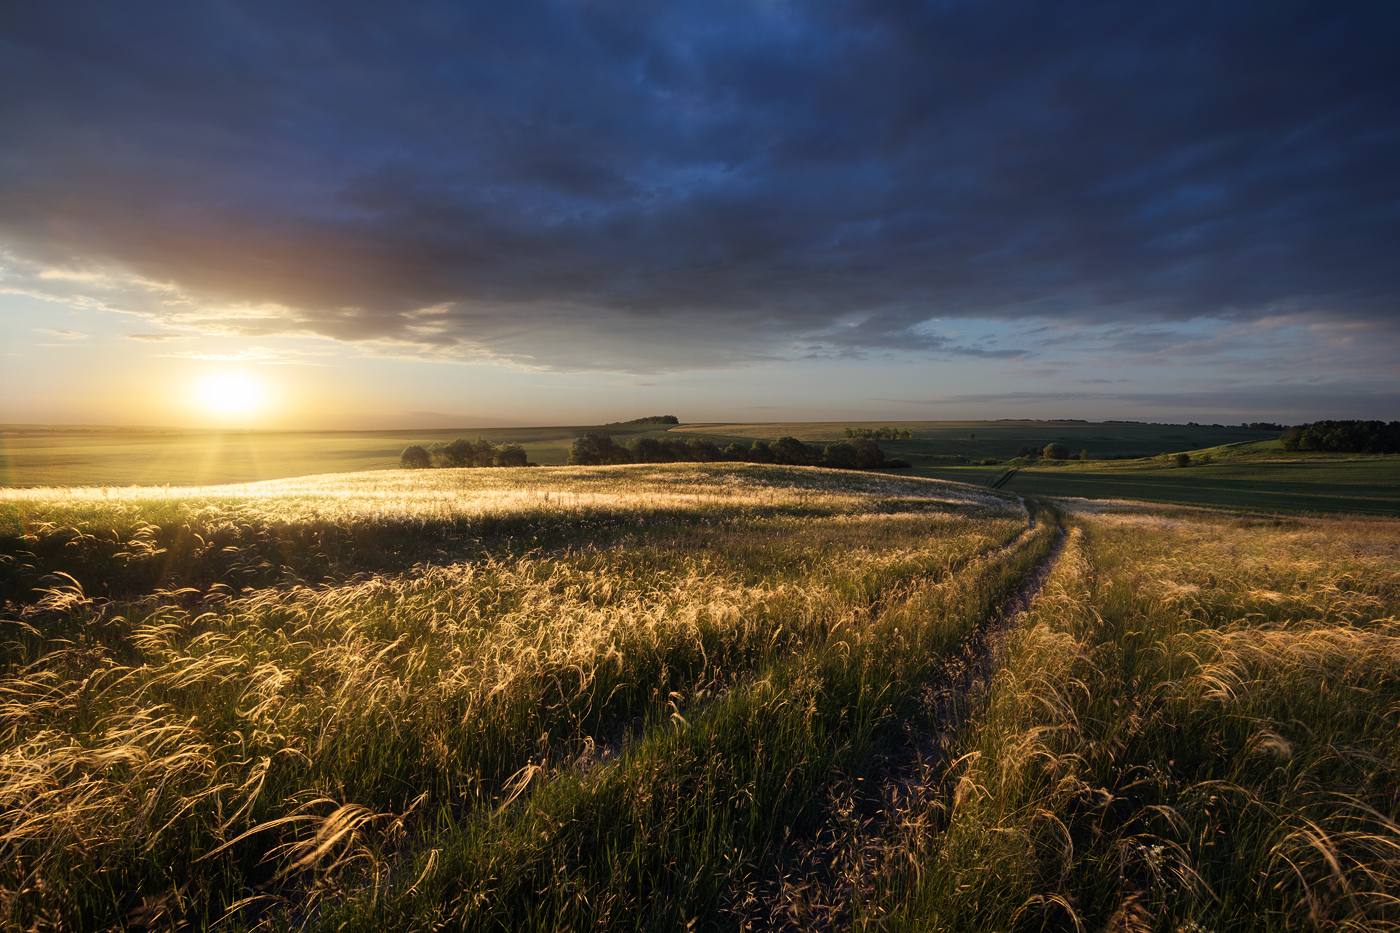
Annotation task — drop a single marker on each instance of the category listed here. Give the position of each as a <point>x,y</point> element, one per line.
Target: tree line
<point>595,449</point>
<point>464,453</point>
<point>881,434</point>
<point>649,419</point>
<point>1370,437</point>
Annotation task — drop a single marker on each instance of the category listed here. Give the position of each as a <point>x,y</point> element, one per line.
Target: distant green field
<point>977,440</point>
<point>120,457</point>
<point>1249,469</point>
<point>1368,485</point>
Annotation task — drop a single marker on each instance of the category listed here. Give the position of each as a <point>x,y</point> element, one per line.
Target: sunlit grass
<point>1197,728</point>
<point>180,750</point>
<point>711,695</point>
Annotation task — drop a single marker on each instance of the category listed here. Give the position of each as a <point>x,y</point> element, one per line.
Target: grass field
<point>716,697</point>
<point>1250,470</point>
<point>1363,485</point>
<point>36,456</point>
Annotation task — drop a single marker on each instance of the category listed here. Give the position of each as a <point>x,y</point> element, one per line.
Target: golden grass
<point>208,757</point>
<point>1198,728</point>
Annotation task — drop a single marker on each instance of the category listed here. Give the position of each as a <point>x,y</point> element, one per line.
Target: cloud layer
<point>642,187</point>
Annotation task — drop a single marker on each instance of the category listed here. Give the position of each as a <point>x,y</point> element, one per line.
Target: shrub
<point>736,453</point>
<point>760,452</point>
<point>991,461</point>
<point>415,458</point>
<point>1182,460</point>
<point>1056,452</point>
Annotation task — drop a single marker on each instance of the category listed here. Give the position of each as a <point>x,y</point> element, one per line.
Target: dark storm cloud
<point>640,186</point>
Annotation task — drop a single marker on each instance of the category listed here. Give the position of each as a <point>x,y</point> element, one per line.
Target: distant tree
<point>1024,451</point>
<point>512,455</point>
<point>677,450</point>
<point>593,449</point>
<point>415,458</point>
<point>789,451</point>
<point>650,419</point>
<point>647,450</point>
<point>1055,452</point>
<point>760,452</point>
<point>483,452</point>
<point>1182,460</point>
<point>736,453</point>
<point>1375,437</point>
<point>868,454</point>
<point>703,451</point>
<point>885,433</point>
<point>840,457</point>
<point>1084,455</point>
<point>459,453</point>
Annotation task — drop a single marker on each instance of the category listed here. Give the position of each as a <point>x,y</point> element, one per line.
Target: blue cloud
<point>718,179</point>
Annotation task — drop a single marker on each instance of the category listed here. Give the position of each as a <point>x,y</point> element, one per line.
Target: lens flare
<point>231,393</point>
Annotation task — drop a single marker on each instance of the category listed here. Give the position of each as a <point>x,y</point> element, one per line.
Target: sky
<point>439,214</point>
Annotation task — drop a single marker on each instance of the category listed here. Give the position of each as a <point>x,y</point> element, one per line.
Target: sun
<point>231,393</point>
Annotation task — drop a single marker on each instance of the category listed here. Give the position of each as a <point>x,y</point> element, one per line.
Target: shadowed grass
<point>1196,729</point>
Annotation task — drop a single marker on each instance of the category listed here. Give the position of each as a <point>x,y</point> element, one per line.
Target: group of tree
<point>464,453</point>
<point>1048,452</point>
<point>859,454</point>
<point>881,434</point>
<point>649,419</point>
<point>1371,437</point>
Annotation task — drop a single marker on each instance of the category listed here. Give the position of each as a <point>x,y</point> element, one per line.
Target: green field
<point>1249,469</point>
<point>690,696</point>
<point>1368,485</point>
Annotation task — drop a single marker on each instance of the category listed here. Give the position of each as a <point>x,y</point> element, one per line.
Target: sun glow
<point>231,393</point>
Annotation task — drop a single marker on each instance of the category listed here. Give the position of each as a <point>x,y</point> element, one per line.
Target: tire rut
<point>839,866</point>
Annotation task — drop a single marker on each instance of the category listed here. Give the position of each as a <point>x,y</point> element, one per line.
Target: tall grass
<point>128,542</point>
<point>1198,728</point>
<point>716,697</point>
<point>211,756</point>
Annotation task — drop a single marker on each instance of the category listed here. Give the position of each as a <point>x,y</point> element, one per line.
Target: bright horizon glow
<point>231,393</point>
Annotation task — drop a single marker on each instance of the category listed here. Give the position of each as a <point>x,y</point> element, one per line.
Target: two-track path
<point>829,872</point>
